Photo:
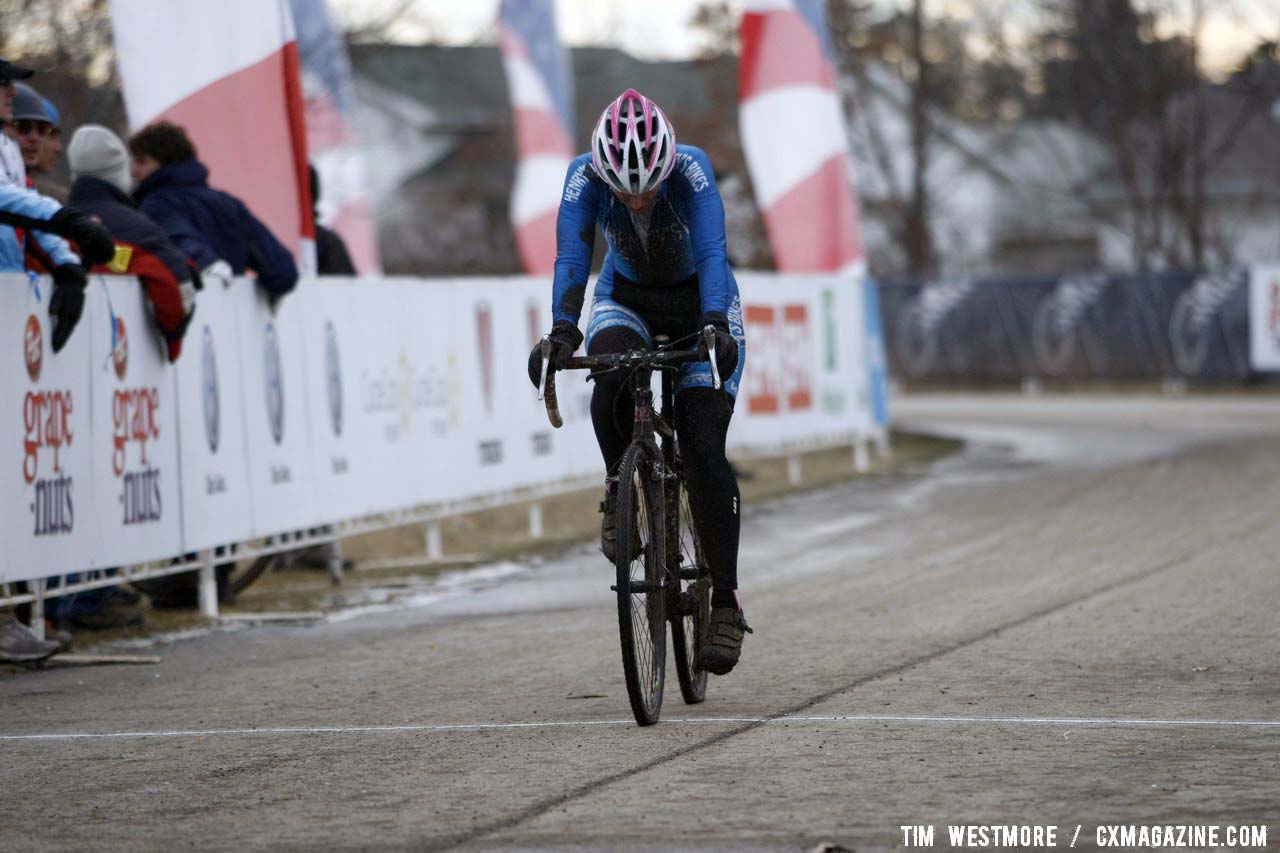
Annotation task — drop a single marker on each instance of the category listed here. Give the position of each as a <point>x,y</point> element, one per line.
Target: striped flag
<point>537,68</point>
<point>332,140</point>
<point>794,139</point>
<point>227,72</point>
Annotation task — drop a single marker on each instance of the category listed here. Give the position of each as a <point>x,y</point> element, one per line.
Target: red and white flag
<point>794,138</point>
<point>537,69</point>
<point>227,72</point>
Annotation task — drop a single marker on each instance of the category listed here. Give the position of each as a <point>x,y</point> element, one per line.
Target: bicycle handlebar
<point>616,361</point>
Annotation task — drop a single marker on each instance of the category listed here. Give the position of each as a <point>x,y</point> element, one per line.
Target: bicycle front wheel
<point>691,612</point>
<point>640,563</point>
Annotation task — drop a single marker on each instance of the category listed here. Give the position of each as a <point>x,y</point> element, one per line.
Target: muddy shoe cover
<point>723,645</point>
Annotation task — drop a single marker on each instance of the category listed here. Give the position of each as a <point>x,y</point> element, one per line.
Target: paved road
<point>1072,623</point>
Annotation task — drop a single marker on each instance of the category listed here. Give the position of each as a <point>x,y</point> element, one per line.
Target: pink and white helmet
<point>633,149</point>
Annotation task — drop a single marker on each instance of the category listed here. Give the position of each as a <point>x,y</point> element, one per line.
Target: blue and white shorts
<point>607,314</point>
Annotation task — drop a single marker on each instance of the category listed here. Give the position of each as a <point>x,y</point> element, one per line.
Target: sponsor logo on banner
<point>46,421</point>
<point>541,443</point>
<point>1055,328</point>
<point>274,384</point>
<point>209,386</point>
<point>490,450</point>
<point>484,344</point>
<point>338,463</point>
<point>134,423</point>
<point>120,350</point>
<point>763,382</point>
<point>916,336</point>
<point>1197,316</point>
<point>33,348</point>
<point>779,372</point>
<point>834,400</point>
<point>1273,311</point>
<point>214,484</point>
<point>333,377</point>
<point>796,365</point>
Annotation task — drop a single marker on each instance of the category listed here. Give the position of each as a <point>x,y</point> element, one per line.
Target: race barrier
<point>354,399</point>
<point>1162,326</point>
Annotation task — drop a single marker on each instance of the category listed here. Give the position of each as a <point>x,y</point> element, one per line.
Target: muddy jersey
<point>669,260</point>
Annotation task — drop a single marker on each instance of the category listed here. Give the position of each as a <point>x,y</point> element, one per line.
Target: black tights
<point>701,421</point>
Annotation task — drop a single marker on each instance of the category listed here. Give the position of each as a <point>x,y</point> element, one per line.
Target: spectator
<point>23,208</point>
<point>29,125</point>
<point>100,187</point>
<point>208,225</point>
<point>331,253</point>
<point>49,154</point>
<point>11,169</point>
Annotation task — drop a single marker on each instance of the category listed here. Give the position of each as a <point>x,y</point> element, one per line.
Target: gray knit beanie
<point>96,152</point>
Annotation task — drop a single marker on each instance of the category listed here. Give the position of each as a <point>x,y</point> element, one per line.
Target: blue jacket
<point>27,209</point>
<point>208,225</point>
<point>685,238</point>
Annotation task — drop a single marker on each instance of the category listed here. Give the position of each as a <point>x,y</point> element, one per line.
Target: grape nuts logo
<point>33,347</point>
<point>333,376</point>
<point>120,349</point>
<point>209,385</point>
<point>274,384</point>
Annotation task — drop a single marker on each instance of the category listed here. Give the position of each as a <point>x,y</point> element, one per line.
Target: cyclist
<point>665,273</point>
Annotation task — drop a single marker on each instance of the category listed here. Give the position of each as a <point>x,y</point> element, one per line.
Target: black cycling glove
<point>67,302</point>
<point>93,241</point>
<point>565,340</point>
<point>726,346</point>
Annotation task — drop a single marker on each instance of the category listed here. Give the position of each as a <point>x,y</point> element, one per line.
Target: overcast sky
<point>658,29</point>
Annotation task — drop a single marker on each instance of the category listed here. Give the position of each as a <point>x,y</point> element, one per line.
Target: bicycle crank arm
<point>643,586</point>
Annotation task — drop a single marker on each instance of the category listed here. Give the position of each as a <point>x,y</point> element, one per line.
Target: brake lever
<point>546,346</point>
<point>547,384</point>
<point>709,340</point>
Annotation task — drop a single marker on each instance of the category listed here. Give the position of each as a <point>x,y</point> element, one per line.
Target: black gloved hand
<point>93,241</point>
<point>726,346</point>
<point>565,340</point>
<point>67,303</point>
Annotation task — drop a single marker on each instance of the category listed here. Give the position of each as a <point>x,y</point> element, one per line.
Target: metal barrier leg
<point>435,543</point>
<point>861,456</point>
<point>37,608</point>
<point>334,552</point>
<point>795,472</point>
<point>208,585</point>
<point>883,445</point>
<point>535,520</point>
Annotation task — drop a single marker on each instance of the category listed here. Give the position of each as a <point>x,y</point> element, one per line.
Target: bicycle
<point>661,573</point>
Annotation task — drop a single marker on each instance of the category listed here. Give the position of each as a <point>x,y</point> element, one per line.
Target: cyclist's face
<point>639,202</point>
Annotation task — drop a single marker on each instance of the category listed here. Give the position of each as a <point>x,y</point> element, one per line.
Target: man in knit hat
<point>29,126</point>
<point>100,187</point>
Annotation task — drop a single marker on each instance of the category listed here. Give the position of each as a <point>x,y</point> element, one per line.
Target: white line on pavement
<point>835,718</point>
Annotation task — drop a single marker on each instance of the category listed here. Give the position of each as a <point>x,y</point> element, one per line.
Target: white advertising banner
<point>48,523</point>
<point>135,428</point>
<point>1264,317</point>
<point>407,387</point>
<point>352,397</point>
<point>277,432</point>
<point>216,508</point>
<point>805,377</point>
<point>343,447</point>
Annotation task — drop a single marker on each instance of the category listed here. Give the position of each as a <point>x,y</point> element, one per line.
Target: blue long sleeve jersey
<point>685,235</point>
<point>27,209</point>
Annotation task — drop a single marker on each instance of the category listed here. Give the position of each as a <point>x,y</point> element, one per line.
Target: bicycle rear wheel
<point>640,562</point>
<point>691,612</point>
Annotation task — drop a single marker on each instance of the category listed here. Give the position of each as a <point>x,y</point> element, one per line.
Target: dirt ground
<point>1071,623</point>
